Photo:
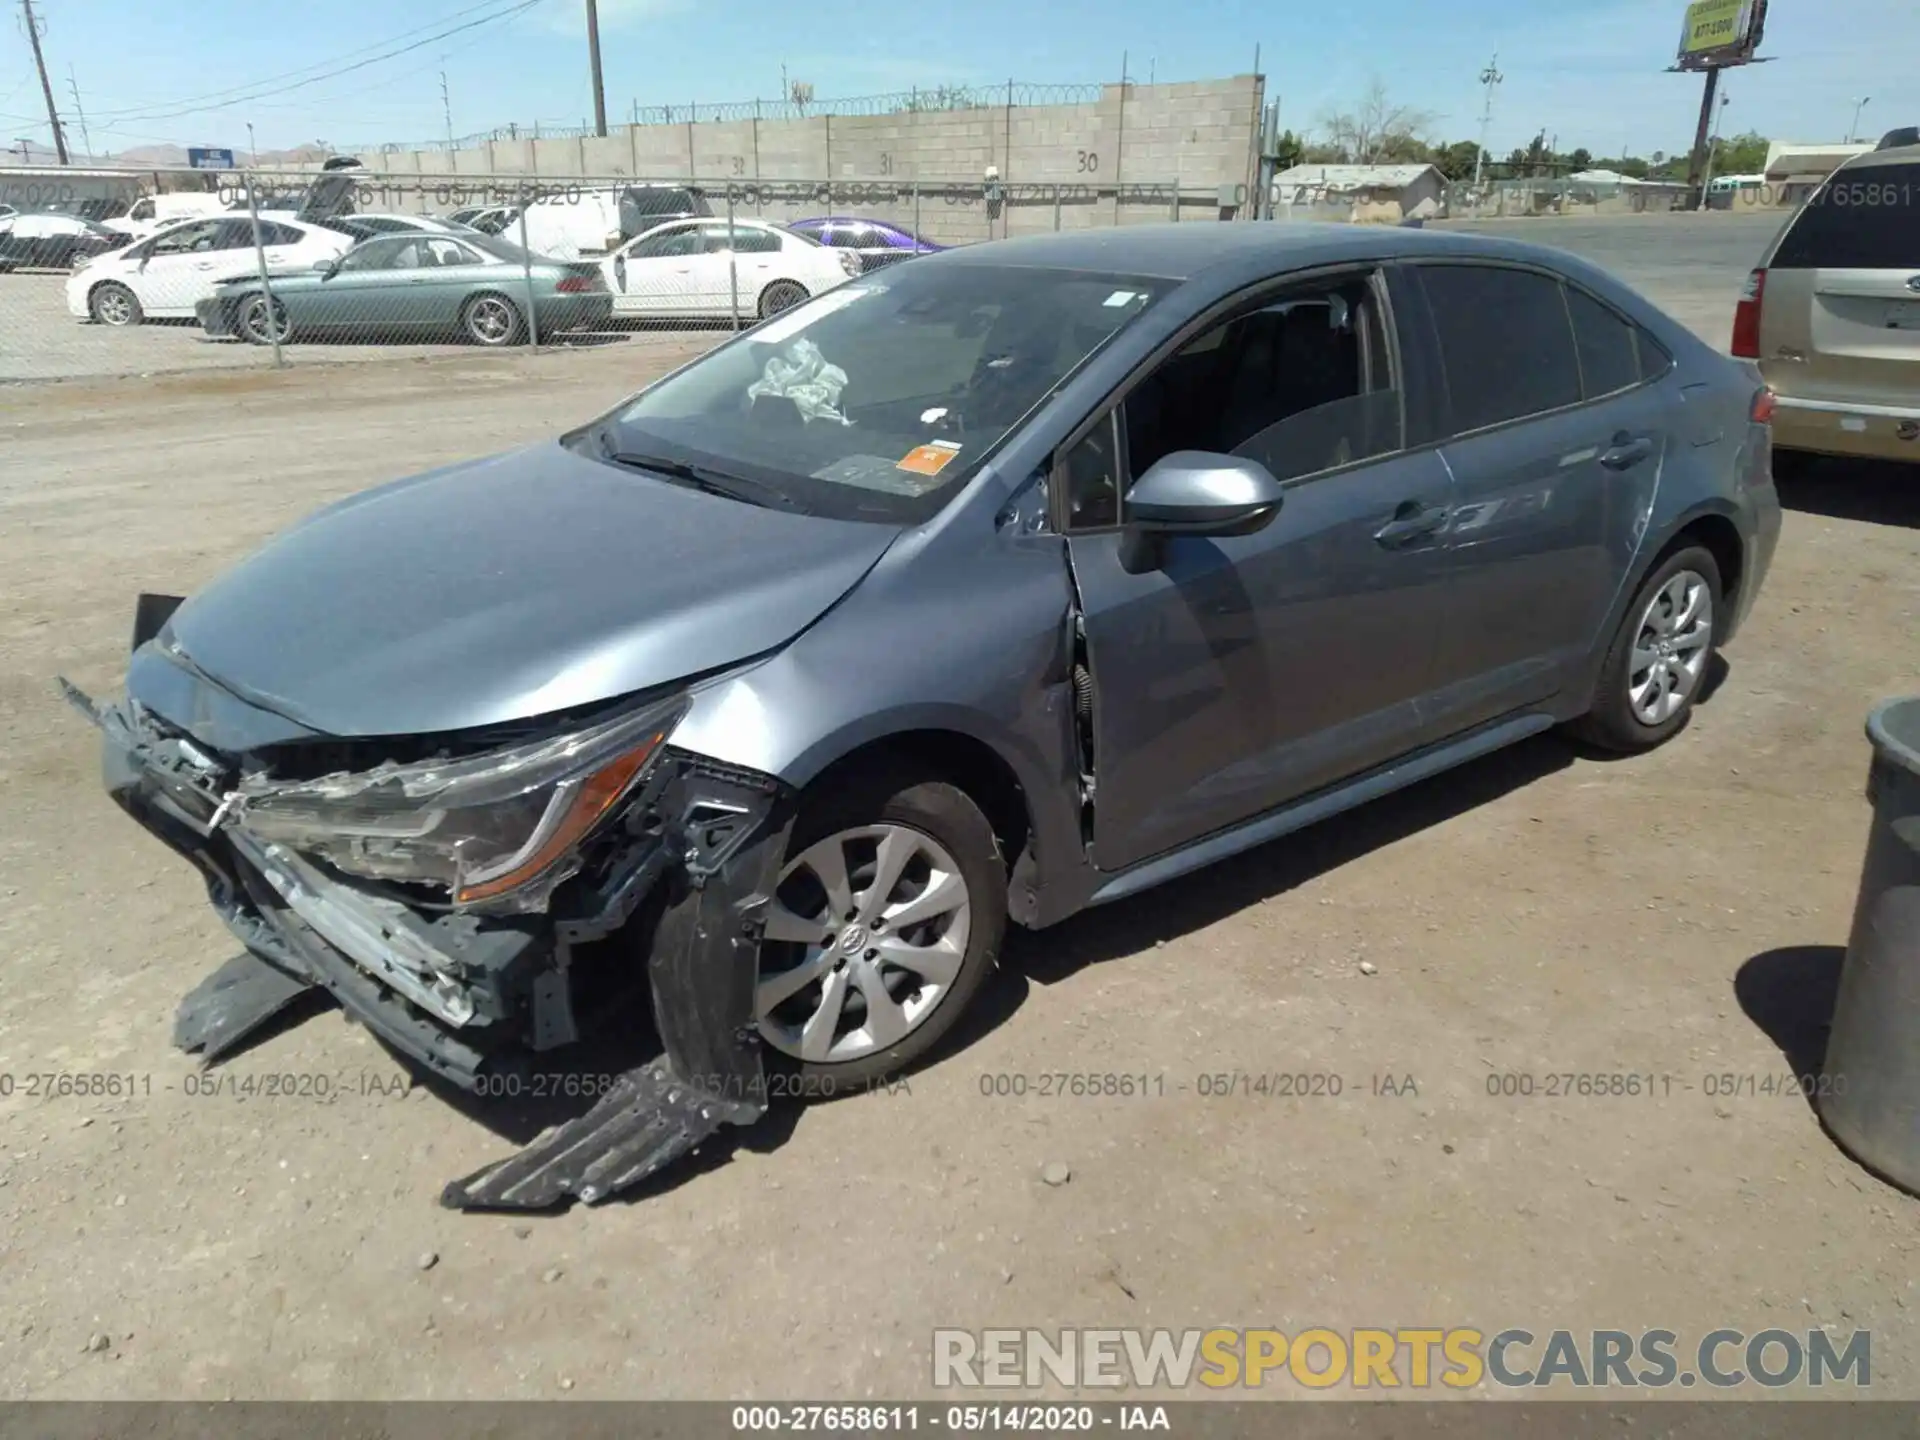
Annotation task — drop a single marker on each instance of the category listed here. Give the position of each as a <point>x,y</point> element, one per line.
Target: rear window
<point>1865,219</point>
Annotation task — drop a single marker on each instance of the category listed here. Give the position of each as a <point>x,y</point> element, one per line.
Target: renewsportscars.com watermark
<point>1455,1358</point>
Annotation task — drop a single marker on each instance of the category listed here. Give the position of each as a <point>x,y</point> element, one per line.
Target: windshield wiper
<point>700,477</point>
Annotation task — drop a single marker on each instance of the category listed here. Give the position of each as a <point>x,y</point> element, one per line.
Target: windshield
<point>878,399</point>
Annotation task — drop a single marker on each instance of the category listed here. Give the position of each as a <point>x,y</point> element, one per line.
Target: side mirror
<point>1195,492</point>
<point>325,268</point>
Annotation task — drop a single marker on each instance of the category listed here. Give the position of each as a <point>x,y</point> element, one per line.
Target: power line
<point>279,84</point>
<point>74,86</point>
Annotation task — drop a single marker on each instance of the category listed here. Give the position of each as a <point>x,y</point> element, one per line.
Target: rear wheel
<point>1658,661</point>
<point>255,324</point>
<point>114,304</point>
<point>781,295</point>
<point>492,320</point>
<point>886,919</point>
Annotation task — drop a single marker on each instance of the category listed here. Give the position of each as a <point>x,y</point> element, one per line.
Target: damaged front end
<point>443,890</point>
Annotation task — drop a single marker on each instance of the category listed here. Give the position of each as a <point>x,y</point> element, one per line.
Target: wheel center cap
<point>854,939</point>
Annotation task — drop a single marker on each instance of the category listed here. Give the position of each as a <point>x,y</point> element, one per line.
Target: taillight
<point>1764,404</point>
<point>1746,317</point>
<point>578,284</point>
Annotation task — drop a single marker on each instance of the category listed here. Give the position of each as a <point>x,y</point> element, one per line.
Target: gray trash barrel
<point>1869,1095</point>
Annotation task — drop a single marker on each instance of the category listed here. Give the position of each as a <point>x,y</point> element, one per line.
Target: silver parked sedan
<point>986,588</point>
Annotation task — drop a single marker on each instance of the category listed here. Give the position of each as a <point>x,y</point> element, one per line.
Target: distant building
<point>1380,193</point>
<point>1795,170</point>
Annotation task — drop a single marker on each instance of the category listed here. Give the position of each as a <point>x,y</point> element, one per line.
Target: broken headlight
<point>480,826</point>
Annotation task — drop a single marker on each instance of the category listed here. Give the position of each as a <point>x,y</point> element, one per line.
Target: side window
<point>1302,384</point>
<point>1654,359</point>
<point>443,252</point>
<point>142,210</point>
<point>280,234</point>
<point>186,239</point>
<point>755,242</point>
<point>683,241</point>
<point>1609,355</point>
<point>1090,478</point>
<point>1506,342</point>
<point>372,254</point>
<point>234,235</point>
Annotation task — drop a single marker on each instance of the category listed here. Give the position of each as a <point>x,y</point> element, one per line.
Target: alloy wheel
<point>262,326</point>
<point>865,936</point>
<point>113,306</point>
<point>1670,648</point>
<point>490,320</point>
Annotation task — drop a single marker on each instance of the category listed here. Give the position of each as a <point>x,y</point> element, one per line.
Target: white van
<point>151,213</point>
<point>585,223</point>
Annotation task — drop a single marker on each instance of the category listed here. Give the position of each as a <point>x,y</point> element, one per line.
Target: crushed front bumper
<point>470,998</point>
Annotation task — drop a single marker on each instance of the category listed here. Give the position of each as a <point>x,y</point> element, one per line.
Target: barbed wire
<point>919,100</point>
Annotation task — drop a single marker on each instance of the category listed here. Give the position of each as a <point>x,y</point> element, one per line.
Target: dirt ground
<point>1537,913</point>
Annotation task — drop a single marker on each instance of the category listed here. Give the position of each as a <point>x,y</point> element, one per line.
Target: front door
<point>183,265</point>
<point>654,275</point>
<point>1242,672</point>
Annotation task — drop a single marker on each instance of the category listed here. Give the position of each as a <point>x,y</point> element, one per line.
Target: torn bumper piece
<point>469,996</point>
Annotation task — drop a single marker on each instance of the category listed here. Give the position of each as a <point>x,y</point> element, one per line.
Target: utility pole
<point>1713,143</point>
<point>1489,77</point>
<point>46,85</point>
<point>1854,129</point>
<point>593,58</point>
<point>74,86</point>
<point>446,108</point>
<point>1696,160</point>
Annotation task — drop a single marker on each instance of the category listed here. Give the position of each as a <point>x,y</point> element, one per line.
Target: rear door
<point>1555,445</point>
<point>1841,315</point>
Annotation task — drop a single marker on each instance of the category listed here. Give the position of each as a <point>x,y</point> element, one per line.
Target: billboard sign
<point>1719,33</point>
<point>210,159</point>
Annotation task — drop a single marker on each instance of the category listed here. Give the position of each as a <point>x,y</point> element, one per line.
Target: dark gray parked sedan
<point>998,585</point>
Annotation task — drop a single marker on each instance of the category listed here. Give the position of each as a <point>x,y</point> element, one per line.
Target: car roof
<point>1900,155</point>
<point>1170,251</point>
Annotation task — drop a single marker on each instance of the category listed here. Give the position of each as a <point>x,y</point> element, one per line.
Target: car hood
<point>510,587</point>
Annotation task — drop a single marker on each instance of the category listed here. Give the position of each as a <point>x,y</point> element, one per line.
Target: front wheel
<point>114,304</point>
<point>262,326</point>
<point>1657,664</point>
<point>492,320</point>
<point>886,919</point>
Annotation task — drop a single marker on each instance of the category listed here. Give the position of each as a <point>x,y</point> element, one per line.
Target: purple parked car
<point>876,242</point>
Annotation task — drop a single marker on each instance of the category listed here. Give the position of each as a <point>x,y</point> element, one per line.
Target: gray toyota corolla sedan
<point>986,588</point>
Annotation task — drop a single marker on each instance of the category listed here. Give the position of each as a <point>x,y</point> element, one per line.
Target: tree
<point>1289,150</point>
<point>1744,154</point>
<point>801,93</point>
<point>1377,131</point>
<point>1581,159</point>
<point>1456,161</point>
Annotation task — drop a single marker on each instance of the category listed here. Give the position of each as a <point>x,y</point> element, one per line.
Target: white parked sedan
<point>168,274</point>
<point>698,267</point>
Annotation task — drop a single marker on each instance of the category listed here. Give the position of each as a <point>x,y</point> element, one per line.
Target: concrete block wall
<point>1199,133</point>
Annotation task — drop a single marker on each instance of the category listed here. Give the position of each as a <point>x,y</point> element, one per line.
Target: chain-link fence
<point>273,268</point>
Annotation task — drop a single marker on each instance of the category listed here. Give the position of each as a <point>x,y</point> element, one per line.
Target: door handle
<point>1411,521</point>
<point>1626,452</point>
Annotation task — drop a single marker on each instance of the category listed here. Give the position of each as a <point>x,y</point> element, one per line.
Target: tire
<point>937,836</point>
<point>1638,705</point>
<point>781,295</point>
<point>251,321</point>
<point>492,320</point>
<point>112,303</point>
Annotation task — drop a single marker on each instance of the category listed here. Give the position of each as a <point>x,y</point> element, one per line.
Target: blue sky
<point>1593,74</point>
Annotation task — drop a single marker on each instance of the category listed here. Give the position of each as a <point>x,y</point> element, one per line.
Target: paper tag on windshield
<point>1122,297</point>
<point>929,459</point>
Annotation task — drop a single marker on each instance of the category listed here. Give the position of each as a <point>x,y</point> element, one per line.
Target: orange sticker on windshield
<point>929,459</point>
